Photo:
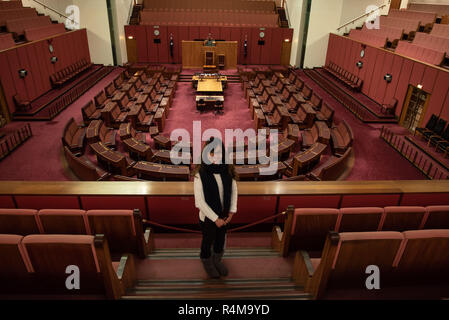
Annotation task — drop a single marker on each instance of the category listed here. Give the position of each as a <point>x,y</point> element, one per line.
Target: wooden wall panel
<point>395,72</point>
<point>35,58</point>
<point>417,73</point>
<point>377,62</point>
<point>193,53</point>
<point>439,95</point>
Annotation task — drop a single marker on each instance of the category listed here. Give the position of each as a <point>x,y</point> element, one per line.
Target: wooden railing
<point>73,94</point>
<point>362,16</point>
<point>414,155</point>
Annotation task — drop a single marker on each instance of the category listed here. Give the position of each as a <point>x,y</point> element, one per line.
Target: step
<point>181,253</point>
<point>274,288</point>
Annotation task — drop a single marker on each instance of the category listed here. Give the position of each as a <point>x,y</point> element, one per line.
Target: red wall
<point>35,58</point>
<point>378,62</point>
<point>149,52</point>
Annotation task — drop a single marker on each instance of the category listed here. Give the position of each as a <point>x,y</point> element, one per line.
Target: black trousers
<point>212,236</point>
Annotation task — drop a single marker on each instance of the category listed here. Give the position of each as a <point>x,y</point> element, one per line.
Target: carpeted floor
<point>41,158</point>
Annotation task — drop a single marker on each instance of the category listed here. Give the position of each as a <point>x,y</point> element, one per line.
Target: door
<point>286,53</point>
<point>415,108</point>
<point>395,4</point>
<point>131,48</point>
<point>4,111</point>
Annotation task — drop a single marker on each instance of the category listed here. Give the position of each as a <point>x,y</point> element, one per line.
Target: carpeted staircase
<point>253,275</point>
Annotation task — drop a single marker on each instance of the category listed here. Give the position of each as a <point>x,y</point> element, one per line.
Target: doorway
<point>395,4</point>
<point>414,108</point>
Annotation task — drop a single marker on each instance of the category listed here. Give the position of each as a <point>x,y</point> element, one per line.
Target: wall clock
<point>362,53</point>
<point>262,34</point>
<point>157,32</point>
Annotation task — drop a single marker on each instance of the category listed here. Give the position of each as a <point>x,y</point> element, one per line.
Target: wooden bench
<point>342,137</point>
<point>114,161</point>
<point>90,113</point>
<point>304,161</point>
<point>113,116</point>
<point>162,172</point>
<point>127,131</point>
<point>97,131</point>
<point>83,168</point>
<point>73,136</point>
<point>253,172</point>
<point>138,150</point>
<point>318,133</point>
<point>326,114</point>
<point>332,169</point>
<point>304,117</point>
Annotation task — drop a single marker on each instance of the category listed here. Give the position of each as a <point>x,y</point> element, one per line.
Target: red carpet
<point>41,158</point>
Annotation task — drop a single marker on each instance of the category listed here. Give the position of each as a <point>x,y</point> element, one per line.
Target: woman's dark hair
<point>217,142</point>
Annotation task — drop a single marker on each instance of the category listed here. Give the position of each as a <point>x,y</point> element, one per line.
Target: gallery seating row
<point>214,5</point>
<point>370,37</point>
<point>68,73</point>
<point>37,266</point>
<point>10,5</point>
<point>224,19</point>
<point>420,52</point>
<point>122,228</point>
<point>426,18</point>
<point>38,33</point>
<point>410,27</point>
<point>6,41</point>
<point>408,269</point>
<point>440,9</point>
<point>307,228</point>
<point>430,41</point>
<point>12,14</point>
<point>440,30</point>
<point>344,76</point>
<point>18,26</point>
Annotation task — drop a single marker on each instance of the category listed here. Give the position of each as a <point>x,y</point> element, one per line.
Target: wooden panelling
<point>405,71</point>
<point>131,49</point>
<point>35,57</point>
<point>193,53</point>
<point>271,53</point>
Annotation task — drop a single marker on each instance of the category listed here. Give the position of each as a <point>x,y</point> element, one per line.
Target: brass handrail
<point>55,11</point>
<point>360,17</point>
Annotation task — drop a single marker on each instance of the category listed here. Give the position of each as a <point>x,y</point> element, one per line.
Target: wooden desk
<point>252,172</point>
<point>138,150</point>
<point>209,86</point>
<point>114,161</point>
<point>305,160</point>
<point>164,156</point>
<point>164,172</point>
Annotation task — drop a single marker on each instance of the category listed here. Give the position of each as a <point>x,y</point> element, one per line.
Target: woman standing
<point>216,198</point>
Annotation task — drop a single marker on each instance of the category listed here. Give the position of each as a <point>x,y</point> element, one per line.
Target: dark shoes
<point>209,267</point>
<point>221,268</point>
<point>214,266</point>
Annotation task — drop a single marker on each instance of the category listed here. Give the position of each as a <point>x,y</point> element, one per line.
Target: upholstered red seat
<point>122,228</point>
<point>64,222</point>
<point>402,218</point>
<point>15,267</point>
<point>437,217</point>
<point>19,221</point>
<point>359,219</point>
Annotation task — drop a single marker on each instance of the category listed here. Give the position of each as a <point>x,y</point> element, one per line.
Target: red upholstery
<point>16,14</point>
<point>440,30</point>
<point>437,217</point>
<point>359,219</point>
<point>423,17</point>
<point>407,25</point>
<point>419,52</point>
<point>6,41</point>
<point>19,221</point>
<point>15,266</point>
<point>64,222</point>
<point>432,42</point>
<point>402,218</point>
<point>73,136</point>
<point>373,39</point>
<point>18,26</point>
<point>10,5</point>
<point>42,32</point>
